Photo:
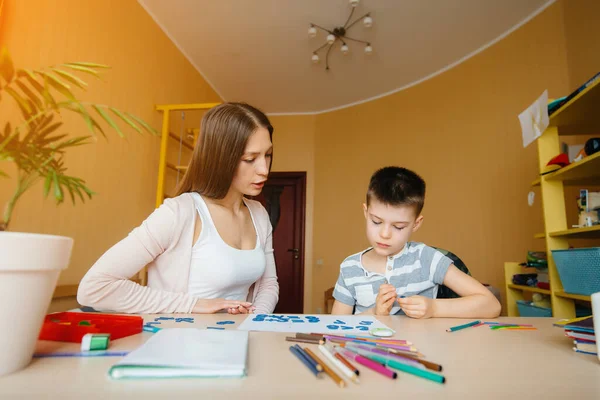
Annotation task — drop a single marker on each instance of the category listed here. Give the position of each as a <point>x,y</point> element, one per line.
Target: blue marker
<point>97,353</point>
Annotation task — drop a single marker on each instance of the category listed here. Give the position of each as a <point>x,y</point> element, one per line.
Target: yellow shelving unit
<point>577,117</point>
<point>167,135</point>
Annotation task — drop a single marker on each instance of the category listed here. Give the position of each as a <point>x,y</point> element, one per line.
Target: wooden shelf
<point>528,288</point>
<point>536,182</point>
<point>572,296</point>
<point>590,232</point>
<point>539,236</point>
<point>580,115</point>
<point>586,171</point>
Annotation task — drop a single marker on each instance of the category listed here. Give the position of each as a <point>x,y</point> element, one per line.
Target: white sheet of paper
<point>331,324</point>
<point>534,120</point>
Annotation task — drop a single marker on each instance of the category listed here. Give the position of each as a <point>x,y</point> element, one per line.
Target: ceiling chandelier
<point>338,35</point>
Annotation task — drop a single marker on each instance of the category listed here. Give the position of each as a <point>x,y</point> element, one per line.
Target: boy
<point>396,274</point>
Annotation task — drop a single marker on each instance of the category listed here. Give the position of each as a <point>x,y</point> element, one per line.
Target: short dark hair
<point>224,133</point>
<point>397,186</point>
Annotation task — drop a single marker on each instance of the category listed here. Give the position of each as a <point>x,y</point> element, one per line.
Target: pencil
<point>346,362</point>
<point>304,361</point>
<point>338,364</point>
<point>299,340</point>
<point>370,364</point>
<point>335,377</point>
<point>309,336</point>
<point>311,360</point>
<point>459,327</point>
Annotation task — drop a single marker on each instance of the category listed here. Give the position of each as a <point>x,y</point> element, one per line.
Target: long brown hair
<point>224,133</point>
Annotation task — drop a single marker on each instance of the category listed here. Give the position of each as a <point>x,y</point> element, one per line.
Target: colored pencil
<point>370,339</point>
<point>459,327</point>
<point>339,356</point>
<point>335,377</point>
<point>368,351</point>
<point>404,367</point>
<point>372,365</point>
<point>309,336</point>
<point>299,340</point>
<point>304,360</point>
<point>311,360</point>
<point>338,364</point>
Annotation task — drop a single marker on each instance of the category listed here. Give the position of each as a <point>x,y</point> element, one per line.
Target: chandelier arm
<point>327,56</point>
<point>349,16</point>
<point>320,27</point>
<point>355,21</point>
<point>317,50</point>
<point>356,40</point>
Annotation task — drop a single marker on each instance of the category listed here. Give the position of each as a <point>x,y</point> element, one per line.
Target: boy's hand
<point>385,299</point>
<point>417,306</point>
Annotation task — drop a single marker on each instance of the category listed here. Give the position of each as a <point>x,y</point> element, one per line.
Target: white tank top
<point>218,270</point>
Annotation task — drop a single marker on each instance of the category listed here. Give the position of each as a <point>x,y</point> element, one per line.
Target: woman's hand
<point>417,306</point>
<point>210,306</point>
<point>241,309</point>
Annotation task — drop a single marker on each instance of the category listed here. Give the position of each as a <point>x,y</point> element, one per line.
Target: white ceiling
<point>259,51</point>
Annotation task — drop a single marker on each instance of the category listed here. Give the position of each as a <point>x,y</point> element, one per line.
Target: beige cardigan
<point>163,242</point>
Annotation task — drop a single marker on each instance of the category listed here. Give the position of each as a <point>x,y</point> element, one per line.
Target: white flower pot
<point>596,313</point>
<point>29,268</point>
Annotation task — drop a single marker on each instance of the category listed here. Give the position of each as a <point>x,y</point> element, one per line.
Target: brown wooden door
<point>284,197</point>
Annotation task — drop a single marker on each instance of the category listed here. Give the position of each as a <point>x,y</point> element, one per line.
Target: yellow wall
<point>458,130</point>
<point>147,69</point>
<point>294,143</point>
<point>582,30</point>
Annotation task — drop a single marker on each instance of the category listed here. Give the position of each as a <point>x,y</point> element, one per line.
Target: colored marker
<point>98,353</point>
<point>459,327</point>
<point>370,364</point>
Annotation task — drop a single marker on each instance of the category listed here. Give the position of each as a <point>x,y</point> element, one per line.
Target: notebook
<point>186,352</point>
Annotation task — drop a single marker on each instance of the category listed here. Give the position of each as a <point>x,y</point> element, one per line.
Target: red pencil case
<point>72,326</point>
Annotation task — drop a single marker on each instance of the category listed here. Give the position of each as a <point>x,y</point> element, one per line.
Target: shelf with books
<point>577,116</point>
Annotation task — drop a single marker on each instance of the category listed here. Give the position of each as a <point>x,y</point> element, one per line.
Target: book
<point>580,336</point>
<point>555,106</point>
<point>585,325</point>
<point>585,346</point>
<point>185,353</point>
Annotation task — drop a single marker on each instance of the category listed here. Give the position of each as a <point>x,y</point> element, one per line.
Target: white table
<point>478,363</point>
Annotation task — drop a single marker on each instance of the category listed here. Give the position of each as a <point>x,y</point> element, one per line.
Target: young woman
<point>208,249</point>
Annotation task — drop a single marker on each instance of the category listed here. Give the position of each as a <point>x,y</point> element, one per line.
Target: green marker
<point>459,327</point>
<point>423,373</point>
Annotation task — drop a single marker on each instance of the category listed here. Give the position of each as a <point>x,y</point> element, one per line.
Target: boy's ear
<point>418,223</point>
<point>365,210</point>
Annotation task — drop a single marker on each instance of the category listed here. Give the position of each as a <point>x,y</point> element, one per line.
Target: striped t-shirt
<point>417,270</point>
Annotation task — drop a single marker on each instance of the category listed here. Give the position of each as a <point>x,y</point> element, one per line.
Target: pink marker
<point>370,364</point>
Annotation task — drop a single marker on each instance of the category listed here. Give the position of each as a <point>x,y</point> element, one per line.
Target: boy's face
<point>390,227</point>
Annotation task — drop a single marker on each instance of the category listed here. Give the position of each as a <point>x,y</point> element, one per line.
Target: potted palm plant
<point>32,140</point>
